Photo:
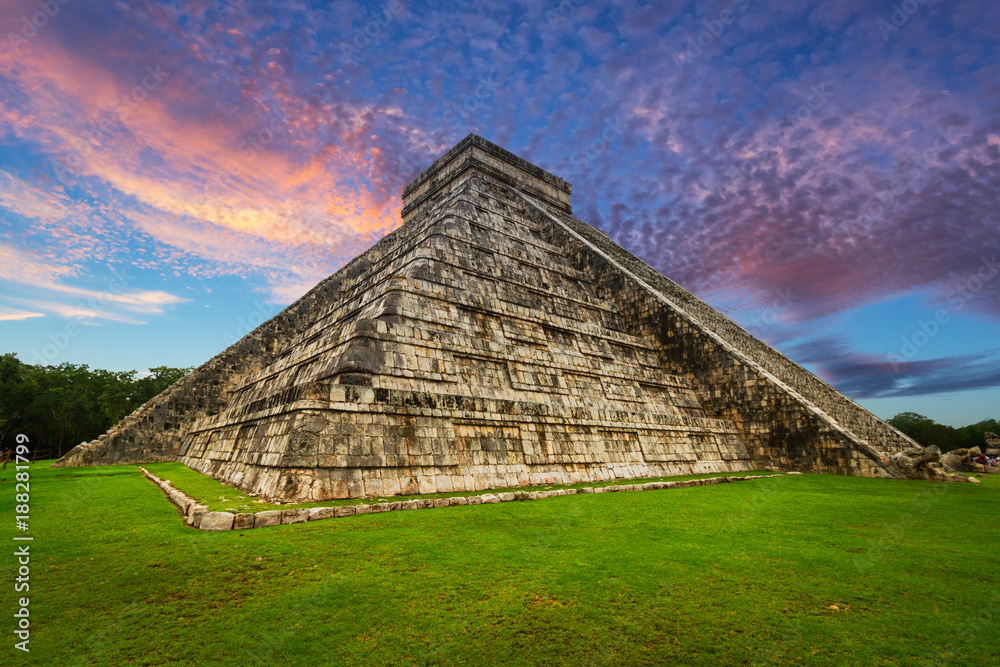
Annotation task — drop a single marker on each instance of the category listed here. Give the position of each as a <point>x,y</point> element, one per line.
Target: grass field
<point>810,569</point>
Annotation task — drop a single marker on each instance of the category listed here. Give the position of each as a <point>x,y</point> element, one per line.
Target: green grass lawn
<point>810,569</point>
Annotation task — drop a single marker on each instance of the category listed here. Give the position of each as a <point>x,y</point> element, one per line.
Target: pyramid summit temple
<point>493,340</point>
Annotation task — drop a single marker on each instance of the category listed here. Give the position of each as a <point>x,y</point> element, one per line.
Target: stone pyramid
<point>493,340</point>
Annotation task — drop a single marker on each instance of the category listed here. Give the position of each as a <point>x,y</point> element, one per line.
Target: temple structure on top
<point>493,340</point>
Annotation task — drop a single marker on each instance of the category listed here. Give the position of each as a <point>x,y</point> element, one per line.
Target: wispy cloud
<point>79,311</point>
<point>876,376</point>
<point>215,168</point>
<point>27,273</point>
<point>13,315</point>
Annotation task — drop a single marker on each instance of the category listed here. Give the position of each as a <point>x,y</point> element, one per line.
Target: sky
<point>825,173</point>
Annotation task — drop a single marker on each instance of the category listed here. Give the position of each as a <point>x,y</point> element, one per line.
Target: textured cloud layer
<point>832,152</point>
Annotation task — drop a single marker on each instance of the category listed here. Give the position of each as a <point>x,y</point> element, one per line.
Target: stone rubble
<point>928,463</point>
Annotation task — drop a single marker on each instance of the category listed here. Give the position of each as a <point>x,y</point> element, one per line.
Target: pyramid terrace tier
<point>333,441</point>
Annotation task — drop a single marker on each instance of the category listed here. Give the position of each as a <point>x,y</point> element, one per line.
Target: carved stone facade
<point>494,341</point>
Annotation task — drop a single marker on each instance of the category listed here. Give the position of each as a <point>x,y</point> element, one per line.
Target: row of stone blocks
<point>200,517</point>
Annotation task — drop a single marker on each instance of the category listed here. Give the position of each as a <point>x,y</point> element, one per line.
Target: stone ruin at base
<point>492,341</point>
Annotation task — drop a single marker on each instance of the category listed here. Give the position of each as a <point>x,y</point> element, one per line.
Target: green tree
<point>159,378</point>
<point>61,406</point>
<point>17,391</point>
<point>928,432</point>
<point>974,435</point>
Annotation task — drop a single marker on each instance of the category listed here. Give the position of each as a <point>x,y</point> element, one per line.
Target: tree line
<point>58,407</point>
<point>928,432</point>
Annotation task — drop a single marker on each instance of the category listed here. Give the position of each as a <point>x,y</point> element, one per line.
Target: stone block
<point>318,513</point>
<point>267,518</point>
<point>181,501</point>
<point>297,515</point>
<point>195,514</point>
<point>242,521</point>
<point>216,521</point>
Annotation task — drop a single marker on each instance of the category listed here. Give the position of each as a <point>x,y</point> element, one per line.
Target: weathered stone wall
<point>787,416</point>
<point>156,430</point>
<point>476,361</point>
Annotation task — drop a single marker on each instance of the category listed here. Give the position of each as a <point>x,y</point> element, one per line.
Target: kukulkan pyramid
<point>493,340</point>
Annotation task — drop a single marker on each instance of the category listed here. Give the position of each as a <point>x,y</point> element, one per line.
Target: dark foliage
<point>58,407</point>
<point>928,432</point>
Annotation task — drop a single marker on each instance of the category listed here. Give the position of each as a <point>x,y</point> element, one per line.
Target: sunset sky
<point>826,173</point>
